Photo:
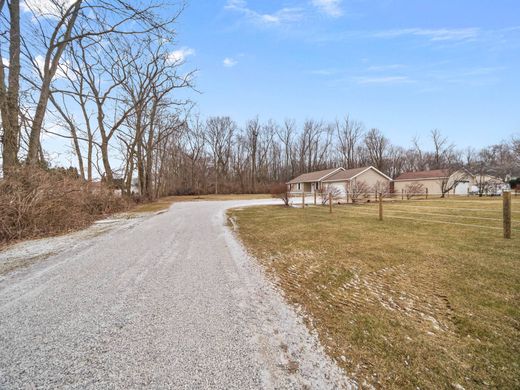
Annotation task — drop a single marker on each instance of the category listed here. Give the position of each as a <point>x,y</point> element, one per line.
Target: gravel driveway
<point>168,301</point>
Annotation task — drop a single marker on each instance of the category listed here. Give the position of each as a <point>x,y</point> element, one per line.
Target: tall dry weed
<point>36,202</point>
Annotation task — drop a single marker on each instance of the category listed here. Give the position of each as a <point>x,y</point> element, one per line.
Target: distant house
<point>339,180</point>
<point>436,182</point>
<point>483,184</point>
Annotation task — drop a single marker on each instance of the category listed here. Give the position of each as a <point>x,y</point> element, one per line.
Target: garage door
<point>462,188</point>
<point>338,187</point>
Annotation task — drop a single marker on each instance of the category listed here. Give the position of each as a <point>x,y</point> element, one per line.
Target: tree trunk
<point>216,179</point>
<point>89,155</point>
<point>73,134</point>
<point>10,108</point>
<point>109,177</point>
<point>149,152</point>
<point>50,67</point>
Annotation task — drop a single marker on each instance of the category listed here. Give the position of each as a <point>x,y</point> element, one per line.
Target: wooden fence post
<point>507,213</point>
<point>381,206</point>
<point>330,202</point>
<point>303,199</point>
<point>314,197</point>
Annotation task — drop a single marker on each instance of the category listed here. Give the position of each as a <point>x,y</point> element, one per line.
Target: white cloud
<point>323,72</point>
<point>181,54</point>
<point>441,34</point>
<point>283,15</point>
<point>382,68</point>
<point>47,8</point>
<point>329,7</point>
<point>384,80</point>
<point>229,62</point>
<point>435,36</point>
<point>64,68</point>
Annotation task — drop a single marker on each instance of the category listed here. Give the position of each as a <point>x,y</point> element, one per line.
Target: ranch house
<point>339,180</point>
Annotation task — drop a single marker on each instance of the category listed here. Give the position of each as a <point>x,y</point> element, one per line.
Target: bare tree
<point>72,126</point>
<point>196,143</point>
<point>395,161</point>
<point>10,91</point>
<point>279,191</point>
<point>329,190</point>
<point>219,135</point>
<point>443,152</point>
<point>381,188</point>
<point>414,189</point>
<point>376,144</point>
<point>253,131</point>
<point>54,26</point>
<point>349,133</point>
<point>358,190</point>
<point>450,179</point>
<point>285,135</point>
<point>58,39</point>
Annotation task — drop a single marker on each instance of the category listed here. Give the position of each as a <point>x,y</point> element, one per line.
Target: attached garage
<point>371,179</point>
<point>338,187</point>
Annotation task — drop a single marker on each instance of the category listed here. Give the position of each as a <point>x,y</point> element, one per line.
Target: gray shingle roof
<point>346,174</point>
<point>433,174</point>
<point>313,176</point>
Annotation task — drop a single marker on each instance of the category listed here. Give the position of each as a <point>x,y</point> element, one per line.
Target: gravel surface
<point>169,301</point>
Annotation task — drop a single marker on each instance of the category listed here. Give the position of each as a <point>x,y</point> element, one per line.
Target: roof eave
<point>423,178</point>
<point>335,181</point>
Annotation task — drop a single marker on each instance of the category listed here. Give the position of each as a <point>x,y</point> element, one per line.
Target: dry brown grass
<point>166,202</point>
<point>402,303</point>
<point>36,203</point>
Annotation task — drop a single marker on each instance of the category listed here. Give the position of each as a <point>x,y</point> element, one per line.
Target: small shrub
<point>280,191</point>
<point>326,190</point>
<point>359,190</point>
<point>414,189</point>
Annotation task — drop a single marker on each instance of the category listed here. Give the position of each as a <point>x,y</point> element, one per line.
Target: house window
<point>299,188</point>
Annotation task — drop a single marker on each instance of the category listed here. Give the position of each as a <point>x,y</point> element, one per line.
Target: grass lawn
<point>428,298</point>
<point>166,202</point>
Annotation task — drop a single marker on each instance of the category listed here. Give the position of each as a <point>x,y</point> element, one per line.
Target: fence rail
<point>493,209</point>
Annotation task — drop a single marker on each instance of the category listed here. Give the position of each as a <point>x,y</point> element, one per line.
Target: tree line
<point>218,155</point>
<point>109,77</point>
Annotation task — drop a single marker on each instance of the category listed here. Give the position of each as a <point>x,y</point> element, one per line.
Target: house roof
<point>346,174</point>
<point>350,174</point>
<point>433,174</point>
<point>314,176</point>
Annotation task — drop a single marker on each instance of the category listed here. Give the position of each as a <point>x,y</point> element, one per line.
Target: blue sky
<point>405,67</point>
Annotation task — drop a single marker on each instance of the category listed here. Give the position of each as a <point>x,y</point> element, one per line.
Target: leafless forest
<point>107,77</point>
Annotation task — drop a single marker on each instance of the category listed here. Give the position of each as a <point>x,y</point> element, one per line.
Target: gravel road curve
<point>168,301</point>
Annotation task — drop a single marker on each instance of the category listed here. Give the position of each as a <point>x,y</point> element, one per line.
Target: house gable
<point>316,176</point>
<point>350,174</point>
